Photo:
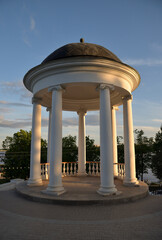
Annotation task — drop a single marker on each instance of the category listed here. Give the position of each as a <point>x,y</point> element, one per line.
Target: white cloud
<point>69,122</point>
<point>13,124</point>
<point>15,104</point>
<point>18,88</point>
<point>143,62</point>
<point>149,131</point>
<point>157,120</point>
<point>32,23</point>
<point>145,128</point>
<point>91,120</point>
<point>20,123</point>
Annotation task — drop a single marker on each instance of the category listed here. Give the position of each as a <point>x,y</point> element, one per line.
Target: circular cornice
<point>79,65</point>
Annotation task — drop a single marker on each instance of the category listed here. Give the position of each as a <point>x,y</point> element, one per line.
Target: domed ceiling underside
<point>81,49</point>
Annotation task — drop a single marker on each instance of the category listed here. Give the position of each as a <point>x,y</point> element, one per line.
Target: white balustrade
<point>71,169</point>
<point>121,170</point>
<point>45,170</point>
<point>93,168</point>
<point>63,168</point>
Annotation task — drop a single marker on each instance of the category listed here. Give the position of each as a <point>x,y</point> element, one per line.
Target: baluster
<point>119,170</point>
<point>97,172</point>
<point>93,168</point>
<point>46,172</point>
<point>74,168</point>
<point>88,168</point>
<point>63,172</point>
<point>42,171</point>
<point>70,168</point>
<point>124,170</point>
<point>99,169</point>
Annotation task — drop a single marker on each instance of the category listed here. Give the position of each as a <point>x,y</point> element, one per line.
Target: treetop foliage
<point>148,152</point>
<point>17,157</point>
<point>156,163</point>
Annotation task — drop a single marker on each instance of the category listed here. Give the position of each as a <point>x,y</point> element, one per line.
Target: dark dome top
<point>81,49</point>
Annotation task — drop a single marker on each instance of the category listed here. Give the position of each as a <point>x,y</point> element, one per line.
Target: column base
<point>55,191</point>
<point>131,183</point>
<point>106,191</point>
<point>34,182</point>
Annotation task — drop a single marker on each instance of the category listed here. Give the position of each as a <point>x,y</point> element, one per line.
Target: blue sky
<point>32,29</point>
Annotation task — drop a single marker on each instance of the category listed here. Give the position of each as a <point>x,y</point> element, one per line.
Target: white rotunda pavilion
<point>82,77</point>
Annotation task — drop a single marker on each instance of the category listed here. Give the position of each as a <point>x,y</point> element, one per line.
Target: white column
<point>49,135</point>
<point>49,139</point>
<point>129,153</point>
<point>106,149</point>
<point>81,144</point>
<point>55,186</point>
<point>35,168</point>
<point>114,138</point>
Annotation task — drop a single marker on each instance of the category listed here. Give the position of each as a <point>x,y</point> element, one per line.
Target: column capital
<point>104,86</point>
<point>128,97</point>
<point>56,88</point>
<point>82,111</point>
<point>36,100</point>
<point>115,108</point>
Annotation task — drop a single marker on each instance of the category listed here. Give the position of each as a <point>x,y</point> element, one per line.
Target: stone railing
<point>121,170</point>
<point>71,169</point>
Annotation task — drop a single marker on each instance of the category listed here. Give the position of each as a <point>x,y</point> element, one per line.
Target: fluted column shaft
<point>49,141</point>
<point>106,149</point>
<point>114,137</point>
<point>129,152</point>
<point>49,135</point>
<point>81,144</point>
<point>35,169</point>
<point>55,182</point>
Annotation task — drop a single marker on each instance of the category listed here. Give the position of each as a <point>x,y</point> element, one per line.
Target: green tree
<point>143,153</point>
<point>120,147</point>
<point>69,149</point>
<point>92,151</point>
<point>17,157</point>
<point>156,164</point>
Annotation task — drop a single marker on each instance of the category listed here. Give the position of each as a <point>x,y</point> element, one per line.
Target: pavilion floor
<point>83,191</point>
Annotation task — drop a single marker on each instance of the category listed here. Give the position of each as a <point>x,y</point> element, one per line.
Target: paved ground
<point>24,219</point>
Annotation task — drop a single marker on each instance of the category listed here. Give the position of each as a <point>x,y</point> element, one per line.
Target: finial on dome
<point>82,40</point>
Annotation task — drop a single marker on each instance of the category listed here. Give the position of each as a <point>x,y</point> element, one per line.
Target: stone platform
<point>83,191</point>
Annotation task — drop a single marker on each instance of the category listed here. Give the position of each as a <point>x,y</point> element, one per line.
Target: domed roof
<point>81,49</point>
